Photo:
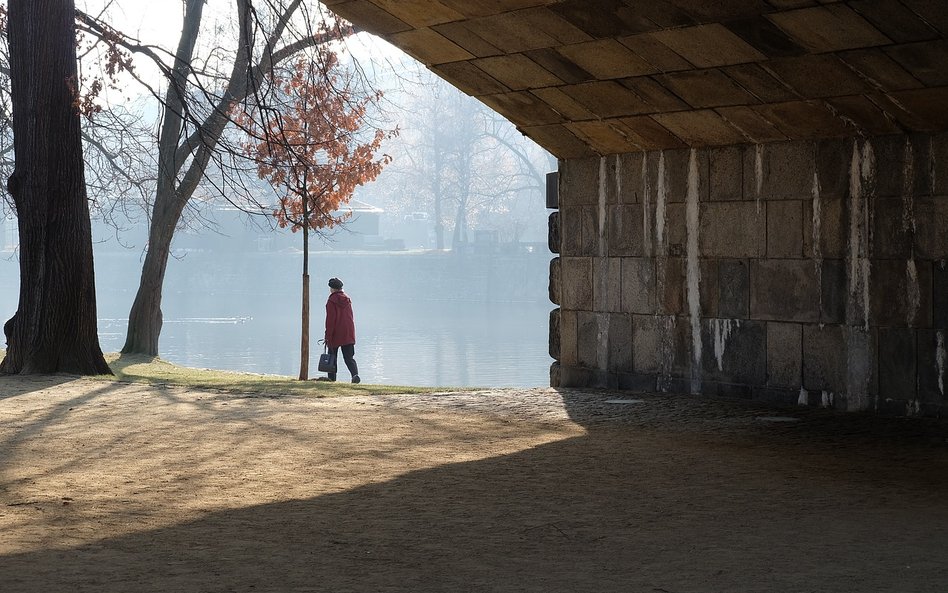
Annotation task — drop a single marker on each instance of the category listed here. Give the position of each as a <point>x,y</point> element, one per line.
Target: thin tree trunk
<point>55,325</point>
<point>304,334</point>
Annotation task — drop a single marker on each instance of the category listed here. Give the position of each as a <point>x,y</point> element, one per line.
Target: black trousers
<point>348,355</point>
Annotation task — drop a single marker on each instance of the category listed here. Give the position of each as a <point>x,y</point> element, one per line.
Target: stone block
<point>703,127</point>
<point>925,60</point>
<point>607,284</point>
<point>939,147</point>
<point>733,289</point>
<point>620,342</point>
<point>625,230</point>
<point>828,28</point>
<point>655,52</point>
<point>897,356</point>
<point>630,184</point>
<point>638,285</point>
<point>932,370</point>
<point>824,359</point>
<point>834,291</point>
<point>826,230</point>
<point>588,336</point>
<point>898,23</point>
<point>785,229</point>
<point>893,227</point>
<point>705,88</point>
<point>780,171</point>
<point>637,383</point>
<point>606,59</point>
<point>647,338</point>
<point>576,283</point>
<point>785,290</point>
<point>661,345</point>
<point>555,334</point>
<point>517,72</point>
<point>862,362</point>
<point>555,281</point>
<point>755,127</point>
<point>579,182</point>
<point>833,158</point>
<point>568,336</point>
<point>707,46</point>
<point>571,229</point>
<point>573,376</point>
<point>676,232</point>
<point>726,177</point>
<point>818,76</point>
<point>708,288</point>
<point>940,294</point>
<point>784,354</point>
<point>759,81</point>
<point>555,379</point>
<point>553,232</point>
<point>653,93</point>
<point>903,166</point>
<point>670,285</point>
<point>676,163</point>
<point>607,98</point>
<point>900,293</point>
<point>731,229</point>
<point>734,351</point>
<point>881,69</point>
<point>592,244</point>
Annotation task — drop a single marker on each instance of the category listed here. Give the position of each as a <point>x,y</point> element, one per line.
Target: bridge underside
<point>753,195</point>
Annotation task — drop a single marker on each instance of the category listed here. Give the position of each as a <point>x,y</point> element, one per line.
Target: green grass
<point>146,369</point>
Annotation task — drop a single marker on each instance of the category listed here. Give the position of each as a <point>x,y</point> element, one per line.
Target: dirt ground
<point>126,488</point>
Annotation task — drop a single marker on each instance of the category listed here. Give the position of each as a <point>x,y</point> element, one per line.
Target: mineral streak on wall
<point>810,272</point>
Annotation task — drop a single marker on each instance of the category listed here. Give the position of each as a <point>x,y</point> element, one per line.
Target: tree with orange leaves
<point>316,149</point>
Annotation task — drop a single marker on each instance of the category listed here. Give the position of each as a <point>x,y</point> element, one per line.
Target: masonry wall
<point>812,273</point>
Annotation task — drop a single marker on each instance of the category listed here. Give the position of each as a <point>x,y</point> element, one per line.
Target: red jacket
<point>340,328</point>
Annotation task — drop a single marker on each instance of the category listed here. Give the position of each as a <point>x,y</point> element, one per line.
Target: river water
<point>428,320</point>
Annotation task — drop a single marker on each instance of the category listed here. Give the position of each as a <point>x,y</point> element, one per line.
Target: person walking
<point>340,328</point>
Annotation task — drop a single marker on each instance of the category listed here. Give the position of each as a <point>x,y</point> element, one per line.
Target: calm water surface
<point>414,325</point>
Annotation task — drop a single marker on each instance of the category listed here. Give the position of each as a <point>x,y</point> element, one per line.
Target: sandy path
<point>118,487</point>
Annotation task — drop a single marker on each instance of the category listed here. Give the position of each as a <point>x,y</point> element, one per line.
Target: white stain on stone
<point>913,294</point>
<point>601,298</point>
<point>602,204</point>
<point>759,172</point>
<point>660,201</point>
<point>618,179</point>
<point>827,399</point>
<point>646,209</point>
<point>817,236</point>
<point>804,398</point>
<point>815,191</point>
<point>908,188</point>
<point>861,172</point>
<point>667,352</point>
<point>693,270</point>
<point>720,332</point>
<point>941,358</point>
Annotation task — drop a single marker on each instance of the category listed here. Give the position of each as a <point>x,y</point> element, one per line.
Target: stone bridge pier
<point>752,195</point>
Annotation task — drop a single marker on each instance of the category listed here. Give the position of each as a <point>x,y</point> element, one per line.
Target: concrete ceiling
<point>607,76</point>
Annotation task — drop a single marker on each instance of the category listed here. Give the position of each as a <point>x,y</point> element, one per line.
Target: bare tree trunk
<point>55,326</point>
<point>304,333</point>
<point>145,317</point>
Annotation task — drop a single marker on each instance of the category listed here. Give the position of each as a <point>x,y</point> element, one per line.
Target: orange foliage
<point>318,147</point>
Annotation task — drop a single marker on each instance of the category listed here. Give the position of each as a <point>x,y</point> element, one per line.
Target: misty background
<point>445,255</point>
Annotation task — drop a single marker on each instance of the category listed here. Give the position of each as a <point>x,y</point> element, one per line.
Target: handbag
<point>327,361</point>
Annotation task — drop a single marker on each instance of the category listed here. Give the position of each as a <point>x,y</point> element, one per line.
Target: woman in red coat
<point>340,328</point>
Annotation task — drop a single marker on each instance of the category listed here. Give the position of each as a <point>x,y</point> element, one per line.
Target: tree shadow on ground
<point>657,496</point>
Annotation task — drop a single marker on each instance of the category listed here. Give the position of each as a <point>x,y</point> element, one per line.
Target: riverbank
<point>131,487</point>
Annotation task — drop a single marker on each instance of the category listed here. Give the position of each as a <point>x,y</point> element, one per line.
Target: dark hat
<point>335,283</point>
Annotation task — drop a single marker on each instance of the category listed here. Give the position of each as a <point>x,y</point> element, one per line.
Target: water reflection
<point>430,320</point>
